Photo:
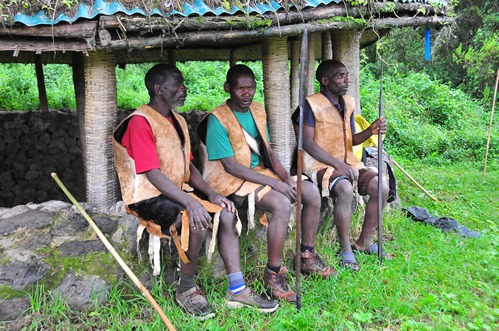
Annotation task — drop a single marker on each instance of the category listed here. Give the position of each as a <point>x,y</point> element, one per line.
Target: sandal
<point>371,250</point>
<point>347,260</point>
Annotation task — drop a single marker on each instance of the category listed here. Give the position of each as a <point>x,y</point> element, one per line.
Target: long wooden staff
<point>111,249</point>
<point>302,95</point>
<point>414,181</point>
<point>490,128</point>
<point>380,174</point>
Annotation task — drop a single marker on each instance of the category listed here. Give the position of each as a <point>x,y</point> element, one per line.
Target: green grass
<point>434,280</point>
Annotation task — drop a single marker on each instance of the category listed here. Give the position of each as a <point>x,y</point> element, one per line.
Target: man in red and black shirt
<point>153,160</point>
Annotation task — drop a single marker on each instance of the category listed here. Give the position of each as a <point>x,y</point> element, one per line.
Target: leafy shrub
<point>427,119</point>
<point>59,85</point>
<point>18,90</point>
<point>131,91</point>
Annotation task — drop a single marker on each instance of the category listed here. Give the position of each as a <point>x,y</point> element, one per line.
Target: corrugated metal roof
<point>102,7</point>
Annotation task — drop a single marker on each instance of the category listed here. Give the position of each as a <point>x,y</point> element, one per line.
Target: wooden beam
<point>100,120</point>
<point>40,81</point>
<point>277,97</point>
<point>43,46</point>
<point>346,49</point>
<point>225,38</point>
<point>78,30</point>
<point>132,24</point>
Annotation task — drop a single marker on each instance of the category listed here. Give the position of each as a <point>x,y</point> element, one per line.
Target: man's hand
<point>222,202</point>
<point>346,170</point>
<point>198,216</point>
<point>291,182</point>
<point>286,189</point>
<point>378,126</point>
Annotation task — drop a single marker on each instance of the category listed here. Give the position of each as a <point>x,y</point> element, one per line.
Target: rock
<point>18,275</point>
<point>77,248</point>
<point>31,219</point>
<point>47,245</point>
<point>13,308</point>
<point>80,291</point>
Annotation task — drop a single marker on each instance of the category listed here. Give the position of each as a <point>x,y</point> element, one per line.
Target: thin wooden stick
<point>490,128</point>
<point>302,96</point>
<point>380,173</point>
<point>414,181</point>
<point>111,249</point>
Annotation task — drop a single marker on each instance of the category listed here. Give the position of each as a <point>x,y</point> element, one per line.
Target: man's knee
<point>227,223</point>
<point>310,194</point>
<point>373,189</point>
<point>278,203</point>
<point>197,233</point>
<point>343,190</point>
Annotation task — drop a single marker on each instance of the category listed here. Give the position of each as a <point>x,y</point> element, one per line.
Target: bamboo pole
<point>118,258</point>
<point>490,128</point>
<point>414,181</point>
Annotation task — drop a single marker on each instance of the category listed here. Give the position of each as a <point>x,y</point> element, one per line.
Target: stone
<point>77,248</point>
<point>18,275</point>
<point>31,219</point>
<point>13,308</point>
<point>80,291</point>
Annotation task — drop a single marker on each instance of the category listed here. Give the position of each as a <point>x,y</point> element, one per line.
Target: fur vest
<point>214,172</point>
<point>332,133</point>
<point>174,155</point>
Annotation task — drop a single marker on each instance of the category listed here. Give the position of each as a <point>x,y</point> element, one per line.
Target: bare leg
<point>195,241</point>
<point>228,242</point>
<point>311,210</point>
<point>280,207</point>
<point>343,213</point>
<point>371,218</point>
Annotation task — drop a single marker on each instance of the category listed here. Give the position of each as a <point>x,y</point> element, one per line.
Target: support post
<point>346,49</point>
<point>100,120</point>
<point>40,81</point>
<point>327,46</point>
<point>277,97</point>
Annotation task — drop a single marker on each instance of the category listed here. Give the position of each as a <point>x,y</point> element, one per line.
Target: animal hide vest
<point>214,173</point>
<point>174,155</point>
<point>333,134</point>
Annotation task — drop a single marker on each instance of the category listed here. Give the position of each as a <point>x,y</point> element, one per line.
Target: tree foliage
<point>464,54</point>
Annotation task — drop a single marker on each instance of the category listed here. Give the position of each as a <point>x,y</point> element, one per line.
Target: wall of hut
<point>35,144</point>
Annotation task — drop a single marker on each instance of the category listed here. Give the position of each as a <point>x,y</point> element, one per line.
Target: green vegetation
<point>426,118</point>
<point>464,54</point>
<point>433,281</point>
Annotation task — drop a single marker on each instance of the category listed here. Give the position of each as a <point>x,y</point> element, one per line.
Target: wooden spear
<point>380,174</point>
<point>111,249</point>
<point>490,128</point>
<point>302,95</point>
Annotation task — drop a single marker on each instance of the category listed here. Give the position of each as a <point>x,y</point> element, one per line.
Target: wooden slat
<point>79,30</point>
<point>42,46</point>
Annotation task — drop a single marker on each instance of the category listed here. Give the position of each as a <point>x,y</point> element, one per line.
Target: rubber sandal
<point>371,250</point>
<point>347,260</point>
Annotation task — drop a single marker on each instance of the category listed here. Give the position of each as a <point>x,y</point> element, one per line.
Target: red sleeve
<point>140,144</point>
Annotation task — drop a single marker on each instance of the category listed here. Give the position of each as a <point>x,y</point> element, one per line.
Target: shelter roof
<point>143,31</point>
<point>90,9</point>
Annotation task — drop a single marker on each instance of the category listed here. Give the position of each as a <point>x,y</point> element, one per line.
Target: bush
<point>18,90</point>
<point>427,119</point>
